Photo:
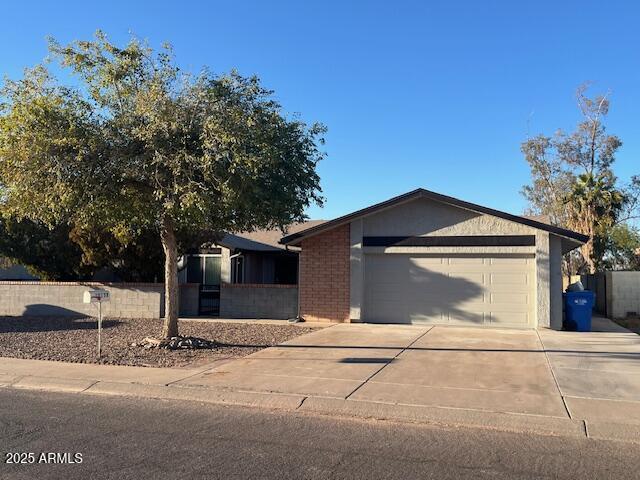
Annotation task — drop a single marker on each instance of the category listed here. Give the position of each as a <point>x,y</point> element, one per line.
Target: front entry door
<point>205,270</point>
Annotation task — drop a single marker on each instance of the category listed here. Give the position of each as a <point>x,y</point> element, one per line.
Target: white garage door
<point>468,290</point>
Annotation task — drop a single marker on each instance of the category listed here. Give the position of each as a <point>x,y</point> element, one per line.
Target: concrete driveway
<point>598,373</point>
<point>556,374</point>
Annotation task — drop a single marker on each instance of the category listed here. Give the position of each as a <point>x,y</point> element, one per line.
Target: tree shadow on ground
<point>56,319</point>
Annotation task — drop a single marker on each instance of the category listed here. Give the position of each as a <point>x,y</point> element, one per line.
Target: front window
<point>203,269</point>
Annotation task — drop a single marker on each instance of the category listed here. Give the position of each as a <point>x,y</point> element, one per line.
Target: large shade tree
<point>572,181</point>
<point>623,250</point>
<point>48,253</point>
<point>133,143</point>
<point>64,252</point>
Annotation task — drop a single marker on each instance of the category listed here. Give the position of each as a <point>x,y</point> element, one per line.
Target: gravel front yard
<point>75,340</point>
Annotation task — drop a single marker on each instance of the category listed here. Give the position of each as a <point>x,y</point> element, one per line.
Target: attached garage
<point>456,289</point>
<point>424,257</point>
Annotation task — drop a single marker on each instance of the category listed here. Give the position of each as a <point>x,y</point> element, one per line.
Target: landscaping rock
<point>176,343</point>
<point>75,340</point>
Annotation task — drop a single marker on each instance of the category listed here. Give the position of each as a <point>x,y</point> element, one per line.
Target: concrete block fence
<point>143,300</point>
<point>623,294</point>
<point>258,301</point>
<point>127,300</point>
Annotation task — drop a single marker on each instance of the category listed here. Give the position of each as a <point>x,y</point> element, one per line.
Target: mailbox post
<point>97,296</point>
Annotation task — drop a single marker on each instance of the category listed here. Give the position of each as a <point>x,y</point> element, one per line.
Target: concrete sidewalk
<point>558,383</point>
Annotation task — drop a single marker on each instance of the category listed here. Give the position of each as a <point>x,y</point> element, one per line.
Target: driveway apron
<point>594,376</point>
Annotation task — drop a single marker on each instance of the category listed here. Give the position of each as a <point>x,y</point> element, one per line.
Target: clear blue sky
<point>415,94</point>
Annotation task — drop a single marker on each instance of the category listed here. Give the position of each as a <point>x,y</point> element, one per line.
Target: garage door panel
<point>477,278</point>
<point>509,279</point>
<point>427,261</point>
<point>435,317</point>
<point>466,318</point>
<point>425,282</point>
<point>479,290</point>
<point>509,298</point>
<point>471,305</point>
<point>509,289</point>
<point>509,262</point>
<point>466,261</point>
<point>452,292</point>
<point>505,308</point>
<point>509,318</point>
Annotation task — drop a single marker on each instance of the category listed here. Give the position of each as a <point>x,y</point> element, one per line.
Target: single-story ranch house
<point>421,257</point>
<point>429,258</point>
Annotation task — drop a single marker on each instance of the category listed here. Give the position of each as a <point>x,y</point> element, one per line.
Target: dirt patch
<point>75,340</point>
<point>630,323</point>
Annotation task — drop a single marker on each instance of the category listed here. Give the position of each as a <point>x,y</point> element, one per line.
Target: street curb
<point>247,399</point>
<point>446,416</point>
<point>623,432</point>
<point>335,407</point>
<point>66,385</point>
<point>6,380</point>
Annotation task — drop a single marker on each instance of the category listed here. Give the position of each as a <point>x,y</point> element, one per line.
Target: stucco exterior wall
<point>258,301</point>
<point>555,282</point>
<point>543,280</point>
<point>225,265</point>
<point>424,217</point>
<point>356,273</point>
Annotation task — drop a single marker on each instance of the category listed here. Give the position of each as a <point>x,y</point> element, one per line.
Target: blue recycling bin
<point>577,310</point>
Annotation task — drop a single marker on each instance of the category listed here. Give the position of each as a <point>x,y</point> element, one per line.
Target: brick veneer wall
<point>324,276</point>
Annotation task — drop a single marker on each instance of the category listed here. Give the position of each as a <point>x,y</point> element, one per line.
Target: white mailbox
<point>96,296</point>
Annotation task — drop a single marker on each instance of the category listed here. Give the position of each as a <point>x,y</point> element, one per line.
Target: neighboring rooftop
<point>539,218</point>
<point>265,240</point>
<point>11,271</point>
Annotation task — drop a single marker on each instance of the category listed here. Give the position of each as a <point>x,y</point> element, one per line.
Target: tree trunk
<point>168,237</point>
<point>587,254</point>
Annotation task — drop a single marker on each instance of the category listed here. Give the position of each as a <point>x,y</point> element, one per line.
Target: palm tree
<point>594,204</point>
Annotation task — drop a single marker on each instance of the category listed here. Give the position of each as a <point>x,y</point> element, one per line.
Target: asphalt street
<point>126,438</point>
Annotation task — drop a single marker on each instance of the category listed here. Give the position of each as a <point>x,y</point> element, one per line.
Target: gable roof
<point>295,238</point>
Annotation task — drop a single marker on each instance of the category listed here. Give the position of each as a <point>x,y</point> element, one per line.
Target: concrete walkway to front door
<point>546,373</point>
